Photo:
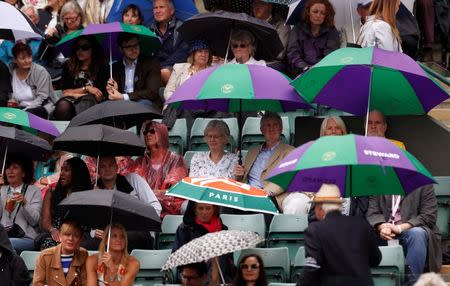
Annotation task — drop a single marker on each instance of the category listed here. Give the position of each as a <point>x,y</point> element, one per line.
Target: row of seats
<point>276,263</point>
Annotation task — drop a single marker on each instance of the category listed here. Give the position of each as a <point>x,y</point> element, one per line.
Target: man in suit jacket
<point>262,159</point>
<point>412,220</point>
<point>135,77</point>
<point>339,249</point>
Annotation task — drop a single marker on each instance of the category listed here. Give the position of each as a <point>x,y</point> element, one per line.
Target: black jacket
<point>5,84</point>
<point>13,271</point>
<point>339,250</point>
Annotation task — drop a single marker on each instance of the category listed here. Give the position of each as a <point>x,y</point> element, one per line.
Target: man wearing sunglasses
<point>135,77</point>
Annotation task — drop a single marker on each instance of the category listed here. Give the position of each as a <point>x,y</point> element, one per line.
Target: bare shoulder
<point>133,262</point>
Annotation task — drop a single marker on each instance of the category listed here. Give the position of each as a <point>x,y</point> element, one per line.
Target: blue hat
<point>198,45</point>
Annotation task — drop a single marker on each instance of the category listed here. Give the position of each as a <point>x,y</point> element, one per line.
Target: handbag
<point>14,230</point>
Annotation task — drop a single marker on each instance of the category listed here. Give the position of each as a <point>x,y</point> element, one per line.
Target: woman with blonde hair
<point>380,29</point>
<point>332,125</point>
<point>112,265</point>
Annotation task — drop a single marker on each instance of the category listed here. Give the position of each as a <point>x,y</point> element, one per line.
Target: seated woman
<point>132,15</point>
<point>199,220</point>
<point>20,203</point>
<point>32,88</point>
<point>243,47</point>
<point>74,177</point>
<point>63,264</point>
<point>251,272</point>
<point>313,38</point>
<point>113,268</point>
<point>84,78</point>
<point>332,125</point>
<point>160,167</point>
<point>216,162</point>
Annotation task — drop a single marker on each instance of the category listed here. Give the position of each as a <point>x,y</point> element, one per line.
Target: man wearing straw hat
<point>339,249</point>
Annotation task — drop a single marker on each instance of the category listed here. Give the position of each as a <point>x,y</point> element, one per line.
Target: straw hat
<point>329,194</point>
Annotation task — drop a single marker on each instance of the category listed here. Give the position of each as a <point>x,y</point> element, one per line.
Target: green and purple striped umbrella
<point>358,165</point>
<point>28,121</point>
<point>358,80</point>
<point>236,88</point>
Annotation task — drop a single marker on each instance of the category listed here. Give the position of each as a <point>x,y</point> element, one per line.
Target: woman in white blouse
<point>216,162</point>
<point>380,30</point>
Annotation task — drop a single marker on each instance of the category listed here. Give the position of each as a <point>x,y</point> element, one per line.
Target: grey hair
<point>28,7</point>
<point>245,37</point>
<point>337,119</point>
<point>430,279</point>
<point>219,125</point>
<point>328,207</point>
<point>271,115</point>
<point>71,6</point>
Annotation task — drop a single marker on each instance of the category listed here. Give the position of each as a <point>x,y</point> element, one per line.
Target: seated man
<point>377,126</point>
<point>135,77</point>
<point>194,274</point>
<point>173,48</point>
<point>262,159</point>
<point>412,220</point>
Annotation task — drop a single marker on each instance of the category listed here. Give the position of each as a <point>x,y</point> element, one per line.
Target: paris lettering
<point>224,197</point>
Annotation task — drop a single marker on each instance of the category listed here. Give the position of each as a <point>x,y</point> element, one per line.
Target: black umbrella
<point>99,140</point>
<point>97,208</point>
<point>121,114</point>
<point>216,28</point>
<point>13,140</point>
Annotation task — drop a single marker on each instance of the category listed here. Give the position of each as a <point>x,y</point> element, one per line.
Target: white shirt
<point>203,166</point>
<point>377,33</point>
<point>250,61</point>
<point>21,90</point>
<point>129,78</point>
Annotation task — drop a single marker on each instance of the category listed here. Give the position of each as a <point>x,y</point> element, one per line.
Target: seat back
<point>287,231</point>
<point>252,222</point>
<point>299,263</point>
<point>442,191</point>
<point>30,257</point>
<point>151,263</point>
<point>169,227</point>
<point>188,157</point>
<point>391,269</point>
<point>251,132</point>
<point>60,125</point>
<point>178,136</point>
<point>276,262</point>
<point>197,140</point>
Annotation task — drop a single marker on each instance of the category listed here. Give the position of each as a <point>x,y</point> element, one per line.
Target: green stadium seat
<point>188,157</point>
<point>197,140</point>
<point>294,114</point>
<point>60,125</point>
<point>276,262</point>
<point>299,263</point>
<point>251,132</point>
<point>253,222</point>
<point>177,136</point>
<point>169,227</point>
<point>287,231</point>
<point>30,257</point>
<point>442,191</point>
<point>151,263</point>
<point>391,270</point>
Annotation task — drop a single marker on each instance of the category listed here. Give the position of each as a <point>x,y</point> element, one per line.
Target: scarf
<point>214,225</point>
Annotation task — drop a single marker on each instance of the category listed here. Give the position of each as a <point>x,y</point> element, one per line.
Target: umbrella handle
<point>216,259</point>
<point>228,46</point>
<point>4,161</point>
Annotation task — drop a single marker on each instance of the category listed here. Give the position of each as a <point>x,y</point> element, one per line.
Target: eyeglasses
<point>249,267</point>
<point>242,46</point>
<point>131,46</point>
<point>71,19</point>
<point>151,131</point>
<point>85,47</point>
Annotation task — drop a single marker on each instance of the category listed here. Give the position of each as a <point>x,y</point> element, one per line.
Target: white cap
<point>362,3</point>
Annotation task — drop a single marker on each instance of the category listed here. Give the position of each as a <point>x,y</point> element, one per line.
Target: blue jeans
<point>415,240</point>
<point>21,244</point>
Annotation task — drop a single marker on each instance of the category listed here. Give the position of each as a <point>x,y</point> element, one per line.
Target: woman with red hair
<point>159,166</point>
<point>312,38</point>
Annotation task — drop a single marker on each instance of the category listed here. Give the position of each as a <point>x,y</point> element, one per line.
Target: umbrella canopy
<point>14,25</point>
<point>358,165</point>
<point>98,208</point>
<point>235,88</point>
<point>212,245</point>
<point>183,10</point>
<point>107,34</point>
<point>123,114</point>
<point>99,140</point>
<point>28,120</point>
<point>215,27</point>
<point>358,80</point>
<point>223,192</point>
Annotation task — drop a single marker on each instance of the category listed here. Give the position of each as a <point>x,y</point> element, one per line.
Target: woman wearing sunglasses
<point>251,272</point>
<point>243,47</point>
<point>84,78</point>
<point>160,167</point>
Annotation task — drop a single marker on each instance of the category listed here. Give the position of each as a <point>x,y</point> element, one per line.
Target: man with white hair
<point>339,249</point>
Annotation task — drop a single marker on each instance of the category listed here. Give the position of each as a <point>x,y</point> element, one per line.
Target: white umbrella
<point>14,25</point>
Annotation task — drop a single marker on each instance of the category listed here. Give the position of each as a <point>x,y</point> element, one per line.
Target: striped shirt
<point>66,260</point>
